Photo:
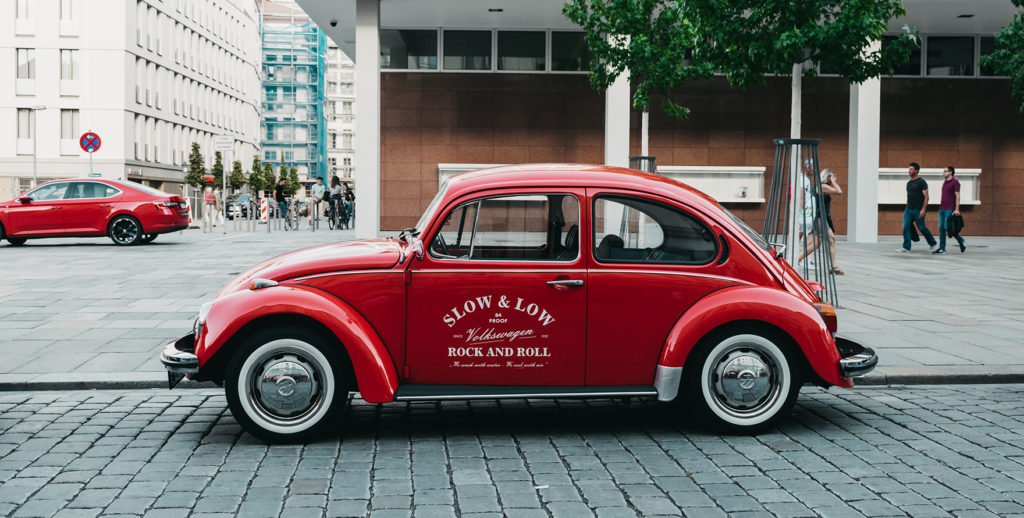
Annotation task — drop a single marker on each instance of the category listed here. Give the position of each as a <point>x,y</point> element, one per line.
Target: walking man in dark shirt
<point>949,205</point>
<point>917,203</point>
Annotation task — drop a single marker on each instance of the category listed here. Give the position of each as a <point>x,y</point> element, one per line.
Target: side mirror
<point>417,249</point>
<point>25,199</point>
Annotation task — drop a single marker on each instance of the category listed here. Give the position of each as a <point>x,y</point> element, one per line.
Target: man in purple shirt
<point>949,205</point>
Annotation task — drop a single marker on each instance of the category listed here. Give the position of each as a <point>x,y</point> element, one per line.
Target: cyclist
<point>335,196</point>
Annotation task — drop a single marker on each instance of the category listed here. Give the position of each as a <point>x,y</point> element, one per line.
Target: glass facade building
<point>293,129</point>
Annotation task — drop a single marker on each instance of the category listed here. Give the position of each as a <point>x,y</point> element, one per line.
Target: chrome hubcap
<point>286,388</point>
<point>745,381</point>
<point>125,230</point>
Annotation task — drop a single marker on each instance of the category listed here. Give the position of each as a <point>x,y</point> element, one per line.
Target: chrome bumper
<point>179,359</point>
<point>857,360</point>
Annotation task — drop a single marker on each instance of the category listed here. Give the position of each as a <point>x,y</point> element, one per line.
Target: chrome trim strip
<point>680,274</point>
<point>351,272</point>
<point>859,364</point>
<point>177,361</point>
<point>497,271</point>
<point>536,395</point>
<point>666,381</point>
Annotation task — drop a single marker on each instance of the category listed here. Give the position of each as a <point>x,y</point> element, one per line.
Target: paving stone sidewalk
<point>81,313</point>
<point>909,451</point>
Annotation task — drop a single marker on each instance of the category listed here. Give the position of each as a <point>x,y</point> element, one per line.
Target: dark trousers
<point>913,216</point>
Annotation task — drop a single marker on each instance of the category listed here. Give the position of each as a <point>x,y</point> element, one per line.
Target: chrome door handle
<point>567,282</point>
<point>55,208</point>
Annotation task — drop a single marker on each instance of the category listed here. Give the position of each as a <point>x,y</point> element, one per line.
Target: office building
<point>340,109</point>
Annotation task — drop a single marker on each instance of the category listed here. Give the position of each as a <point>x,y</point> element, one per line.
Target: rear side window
<point>636,230</point>
<point>535,227</point>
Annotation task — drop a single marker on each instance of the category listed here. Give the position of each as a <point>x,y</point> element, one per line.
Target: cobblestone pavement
<point>953,450</point>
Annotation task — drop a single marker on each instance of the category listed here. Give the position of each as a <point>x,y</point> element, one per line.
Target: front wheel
<point>124,230</point>
<point>285,385</point>
<point>742,382</point>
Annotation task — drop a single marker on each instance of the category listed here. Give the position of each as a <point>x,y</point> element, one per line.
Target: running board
<point>439,392</point>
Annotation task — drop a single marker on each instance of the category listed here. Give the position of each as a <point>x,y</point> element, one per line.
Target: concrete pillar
<point>865,121</point>
<point>616,122</point>
<point>367,118</point>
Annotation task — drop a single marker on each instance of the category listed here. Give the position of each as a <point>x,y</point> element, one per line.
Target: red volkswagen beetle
<point>128,213</point>
<point>525,281</point>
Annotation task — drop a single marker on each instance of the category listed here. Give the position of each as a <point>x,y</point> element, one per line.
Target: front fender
<point>375,370</point>
<point>796,318</point>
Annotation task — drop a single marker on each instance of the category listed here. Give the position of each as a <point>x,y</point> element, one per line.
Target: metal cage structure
<point>796,222</point>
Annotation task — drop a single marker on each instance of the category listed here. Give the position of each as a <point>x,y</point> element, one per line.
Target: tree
<point>218,170</point>
<point>196,167</point>
<point>1008,57</point>
<point>269,180</point>
<point>293,184</point>
<point>256,175</point>
<point>742,39</point>
<point>237,178</point>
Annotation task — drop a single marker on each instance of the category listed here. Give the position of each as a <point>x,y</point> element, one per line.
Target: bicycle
<point>334,218</point>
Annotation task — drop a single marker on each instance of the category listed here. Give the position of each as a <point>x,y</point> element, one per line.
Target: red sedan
<point>127,212</point>
<point>524,282</point>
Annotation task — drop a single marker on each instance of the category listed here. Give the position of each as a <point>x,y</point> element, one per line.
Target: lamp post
<point>35,137</point>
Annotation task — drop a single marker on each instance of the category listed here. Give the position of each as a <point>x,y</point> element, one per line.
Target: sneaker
<point>963,247</point>
<point>931,248</point>
<point>902,250</point>
<point>939,252</point>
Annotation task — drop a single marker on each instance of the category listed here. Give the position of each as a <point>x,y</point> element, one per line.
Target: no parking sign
<point>90,142</point>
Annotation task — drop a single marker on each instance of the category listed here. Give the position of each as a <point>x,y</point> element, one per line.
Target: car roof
<point>574,175</point>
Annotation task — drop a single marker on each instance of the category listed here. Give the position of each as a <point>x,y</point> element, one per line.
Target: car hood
<point>348,255</point>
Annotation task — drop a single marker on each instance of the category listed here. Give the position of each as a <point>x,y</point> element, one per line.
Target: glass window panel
<point>68,64</point>
<point>26,64</point>
<point>65,10</point>
<point>467,50</point>
<point>408,49</point>
<point>569,51</point>
<point>911,67</point>
<point>24,123</point>
<point>950,56</point>
<point>633,230</point>
<point>21,9</point>
<point>988,45</point>
<point>69,124</point>
<point>520,50</point>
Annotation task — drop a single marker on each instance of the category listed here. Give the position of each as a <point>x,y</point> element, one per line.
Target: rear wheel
<point>124,230</point>
<point>742,381</point>
<point>286,385</point>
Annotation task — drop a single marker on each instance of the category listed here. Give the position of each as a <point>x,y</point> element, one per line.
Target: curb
<point>882,376</point>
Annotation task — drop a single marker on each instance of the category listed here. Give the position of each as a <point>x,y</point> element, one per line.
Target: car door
<point>651,260</point>
<point>499,297</point>
<point>87,207</point>
<point>42,214</point>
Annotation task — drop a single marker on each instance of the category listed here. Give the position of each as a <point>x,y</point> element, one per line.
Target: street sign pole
<point>224,143</point>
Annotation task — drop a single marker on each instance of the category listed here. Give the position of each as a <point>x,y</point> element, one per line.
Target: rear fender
<point>772,307</point>
<point>374,368</point>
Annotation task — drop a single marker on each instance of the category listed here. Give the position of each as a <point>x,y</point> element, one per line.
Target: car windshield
<point>746,229</point>
<point>431,209</point>
<point>144,188</point>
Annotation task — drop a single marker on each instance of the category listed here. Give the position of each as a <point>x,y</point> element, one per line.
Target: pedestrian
<point>350,208</point>
<point>209,209</point>
<point>917,204</point>
<point>279,199</point>
<point>830,186</point>
<point>806,218</point>
<point>318,195</point>
<point>336,199</point>
<point>949,205</point>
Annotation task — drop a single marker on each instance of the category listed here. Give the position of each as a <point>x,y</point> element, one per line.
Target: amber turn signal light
<point>828,314</point>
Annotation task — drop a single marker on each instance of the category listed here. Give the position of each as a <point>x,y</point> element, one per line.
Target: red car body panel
<point>404,319</point>
<point>89,217</point>
<point>374,368</point>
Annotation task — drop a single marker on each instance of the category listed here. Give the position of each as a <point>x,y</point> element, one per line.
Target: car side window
<point>635,230</point>
<point>534,227</point>
<point>49,192</point>
<point>84,190</point>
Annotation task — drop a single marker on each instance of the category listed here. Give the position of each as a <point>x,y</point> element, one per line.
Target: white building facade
<point>340,111</point>
<point>149,77</point>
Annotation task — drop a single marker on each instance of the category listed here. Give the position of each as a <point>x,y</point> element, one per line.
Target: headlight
<point>197,326</point>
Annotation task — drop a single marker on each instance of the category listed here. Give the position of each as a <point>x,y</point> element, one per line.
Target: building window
<point>25,123</point>
<point>911,67</point>
<point>289,156</point>
<point>346,107</point>
<point>269,156</point>
<point>950,56</point>
<point>334,140</point>
<point>332,161</point>
<point>26,63</point>
<point>467,50</point>
<point>521,50</point>
<point>408,49</point>
<point>69,124</point>
<point>65,10</point>
<point>21,9</point>
<point>346,161</point>
<point>987,46</point>
<point>68,64</point>
<point>569,52</point>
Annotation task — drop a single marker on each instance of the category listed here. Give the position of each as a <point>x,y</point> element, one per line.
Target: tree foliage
<point>269,180</point>
<point>237,178</point>
<point>256,175</point>
<point>217,170</point>
<point>292,185</point>
<point>196,167</point>
<point>666,43</point>
<point>1008,57</point>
